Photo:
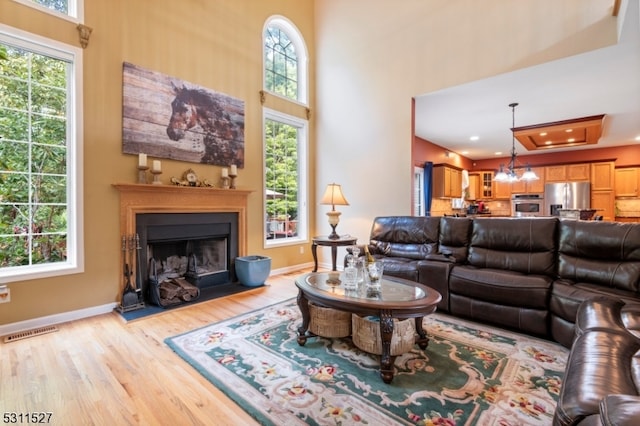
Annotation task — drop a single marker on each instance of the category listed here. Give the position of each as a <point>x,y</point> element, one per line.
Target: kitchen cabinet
<point>486,185</point>
<point>602,176</point>
<point>529,187</point>
<point>502,190</point>
<point>474,186</point>
<point>447,181</point>
<point>628,219</point>
<point>603,202</point>
<point>567,172</point>
<point>627,181</point>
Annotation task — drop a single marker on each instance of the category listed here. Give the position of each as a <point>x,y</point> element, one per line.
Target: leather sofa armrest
<point>620,410</point>
<point>444,257</point>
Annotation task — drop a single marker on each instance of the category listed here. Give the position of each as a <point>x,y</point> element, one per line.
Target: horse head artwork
<point>211,116</point>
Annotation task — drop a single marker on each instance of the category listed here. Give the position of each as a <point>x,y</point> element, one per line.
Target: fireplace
<point>200,247</point>
<point>200,227</point>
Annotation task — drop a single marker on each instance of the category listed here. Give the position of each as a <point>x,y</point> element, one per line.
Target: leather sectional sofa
<point>534,275</point>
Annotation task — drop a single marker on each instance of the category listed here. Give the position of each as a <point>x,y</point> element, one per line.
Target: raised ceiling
<point>560,134</point>
<point>603,82</point>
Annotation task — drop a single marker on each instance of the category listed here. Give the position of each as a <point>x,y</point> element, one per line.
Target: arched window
<point>285,60</point>
<point>285,135</point>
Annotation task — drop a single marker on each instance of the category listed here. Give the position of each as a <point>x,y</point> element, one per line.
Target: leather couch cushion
<point>567,296</point>
<point>401,268</point>
<point>599,364</point>
<point>500,286</point>
<point>411,237</point>
<point>455,234</point>
<point>620,410</point>
<point>526,245</point>
<point>604,253</point>
<point>630,314</point>
<point>530,321</point>
<point>600,314</point>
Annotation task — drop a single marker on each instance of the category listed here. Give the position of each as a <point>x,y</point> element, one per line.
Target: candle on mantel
<point>156,166</point>
<point>225,172</point>
<point>142,160</point>
<point>234,170</point>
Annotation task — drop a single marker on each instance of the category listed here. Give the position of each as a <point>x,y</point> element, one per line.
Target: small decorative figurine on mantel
<point>190,178</point>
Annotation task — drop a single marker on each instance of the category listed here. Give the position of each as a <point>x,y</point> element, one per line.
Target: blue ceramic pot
<point>253,271</point>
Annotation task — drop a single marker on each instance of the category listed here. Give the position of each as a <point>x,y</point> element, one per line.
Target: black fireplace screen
<point>200,247</point>
<point>199,258</point>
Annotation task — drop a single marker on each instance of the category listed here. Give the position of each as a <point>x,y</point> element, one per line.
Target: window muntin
<point>39,149</point>
<point>285,60</point>
<point>281,64</point>
<point>285,177</point>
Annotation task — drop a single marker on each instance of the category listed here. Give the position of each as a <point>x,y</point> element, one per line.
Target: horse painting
<point>165,117</point>
<point>201,111</point>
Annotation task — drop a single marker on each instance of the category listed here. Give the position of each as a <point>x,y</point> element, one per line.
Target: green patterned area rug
<point>469,374</point>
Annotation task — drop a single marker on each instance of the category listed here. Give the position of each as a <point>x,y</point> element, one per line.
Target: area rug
<point>469,374</point>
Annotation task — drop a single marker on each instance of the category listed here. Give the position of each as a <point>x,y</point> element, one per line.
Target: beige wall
<point>216,44</point>
<point>373,56</point>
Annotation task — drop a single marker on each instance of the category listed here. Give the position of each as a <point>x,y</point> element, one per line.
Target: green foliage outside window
<point>281,170</point>
<point>33,158</point>
<point>58,5</point>
<point>281,64</point>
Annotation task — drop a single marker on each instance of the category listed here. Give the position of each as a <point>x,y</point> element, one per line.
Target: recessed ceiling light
<point>464,152</point>
<point>498,153</point>
<point>638,138</point>
<point>569,130</point>
<point>543,134</point>
<point>571,140</point>
<point>548,143</point>
<point>474,138</point>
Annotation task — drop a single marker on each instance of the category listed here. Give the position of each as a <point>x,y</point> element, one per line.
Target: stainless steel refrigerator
<point>566,195</point>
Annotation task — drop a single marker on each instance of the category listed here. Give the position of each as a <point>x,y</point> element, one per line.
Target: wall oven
<point>527,205</point>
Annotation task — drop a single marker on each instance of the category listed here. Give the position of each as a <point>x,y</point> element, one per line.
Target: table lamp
<point>333,196</point>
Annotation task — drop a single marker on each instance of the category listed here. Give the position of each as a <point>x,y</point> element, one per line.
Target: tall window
<point>285,178</point>
<point>285,135</point>
<point>39,154</point>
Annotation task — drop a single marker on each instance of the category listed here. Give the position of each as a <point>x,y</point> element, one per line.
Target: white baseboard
<point>55,319</point>
<point>30,324</point>
<point>288,269</point>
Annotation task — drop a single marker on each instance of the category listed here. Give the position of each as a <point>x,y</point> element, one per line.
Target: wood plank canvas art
<point>165,117</point>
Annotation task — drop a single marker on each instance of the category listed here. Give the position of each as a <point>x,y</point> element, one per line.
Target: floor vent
<point>30,333</point>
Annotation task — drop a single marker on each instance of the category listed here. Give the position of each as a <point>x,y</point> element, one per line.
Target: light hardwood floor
<point>105,371</point>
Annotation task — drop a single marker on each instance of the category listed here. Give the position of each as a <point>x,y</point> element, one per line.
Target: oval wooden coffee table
<point>398,298</point>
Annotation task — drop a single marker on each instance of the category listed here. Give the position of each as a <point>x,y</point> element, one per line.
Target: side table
<point>344,240</point>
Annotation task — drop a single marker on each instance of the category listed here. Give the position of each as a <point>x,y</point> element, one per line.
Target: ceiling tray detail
<point>561,134</point>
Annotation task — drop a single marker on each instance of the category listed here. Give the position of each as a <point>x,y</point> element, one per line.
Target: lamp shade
<point>333,196</point>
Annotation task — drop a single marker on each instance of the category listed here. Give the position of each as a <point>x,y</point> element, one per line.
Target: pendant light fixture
<point>510,174</point>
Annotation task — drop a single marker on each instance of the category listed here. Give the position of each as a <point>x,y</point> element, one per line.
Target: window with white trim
<point>285,176</point>
<point>286,136</point>
<point>285,60</point>
<point>67,9</point>
<point>40,154</point>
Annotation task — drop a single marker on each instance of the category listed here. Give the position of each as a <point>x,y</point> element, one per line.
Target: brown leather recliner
<point>602,378</point>
<point>594,259</point>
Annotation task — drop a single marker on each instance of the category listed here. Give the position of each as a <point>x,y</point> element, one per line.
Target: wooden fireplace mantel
<point>143,198</point>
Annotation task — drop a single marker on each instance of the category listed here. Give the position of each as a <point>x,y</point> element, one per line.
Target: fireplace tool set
<point>131,297</point>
